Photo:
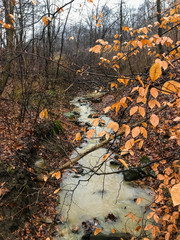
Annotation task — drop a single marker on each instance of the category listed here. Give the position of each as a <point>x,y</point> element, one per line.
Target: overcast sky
<point>134,3</point>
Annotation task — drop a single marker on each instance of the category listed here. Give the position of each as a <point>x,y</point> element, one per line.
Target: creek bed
<point>92,197</point>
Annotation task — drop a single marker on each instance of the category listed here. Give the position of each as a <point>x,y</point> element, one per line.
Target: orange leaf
<point>101,15</point>
<point>129,144</point>
<point>96,49</point>
<point>96,122</point>
<point>113,230</point>
<point>171,87</point>
<point>143,132</point>
<point>141,144</point>
<point>154,92</point>
<point>105,156</point>
<point>78,136</point>
<point>58,175</point>
<point>154,119</point>
<point>107,109</point>
<point>155,71</point>
<point>150,215</point>
<point>45,177</point>
<point>152,103</point>
<point>116,36</point>
<point>175,194</point>
<point>142,111</point>
<point>114,126</point>
<point>57,190</point>
<point>90,133</point>
<point>124,163</point>
<point>135,132</point>
<point>98,230</point>
<point>139,200</point>
<point>148,227</point>
<point>34,2</point>
<point>101,134</point>
<point>127,129</point>
<point>41,115</point>
<point>133,110</point>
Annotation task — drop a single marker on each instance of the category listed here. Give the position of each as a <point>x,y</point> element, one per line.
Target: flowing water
<point>89,195</point>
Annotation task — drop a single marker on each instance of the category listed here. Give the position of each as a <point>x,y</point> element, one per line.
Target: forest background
<point>47,57</point>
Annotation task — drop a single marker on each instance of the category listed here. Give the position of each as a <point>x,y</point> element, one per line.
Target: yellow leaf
<point>58,175</point>
<point>98,230</point>
<point>41,115</point>
<point>155,72</point>
<point>154,92</point>
<point>90,133</point>
<point>124,163</point>
<point>154,119</point>
<point>175,194</point>
<point>142,111</point>
<point>135,132</point>
<point>57,190</point>
<point>139,200</point>
<point>129,144</point>
<point>133,110</point>
<point>171,87</point>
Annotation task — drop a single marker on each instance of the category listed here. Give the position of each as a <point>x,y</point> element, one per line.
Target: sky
<point>134,3</point>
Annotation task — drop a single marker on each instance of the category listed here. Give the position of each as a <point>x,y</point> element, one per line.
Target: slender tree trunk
<point>158,4</point>
<point>9,9</point>
<point>121,24</point>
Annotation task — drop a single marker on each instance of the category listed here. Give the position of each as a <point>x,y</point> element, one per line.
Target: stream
<point>102,200</point>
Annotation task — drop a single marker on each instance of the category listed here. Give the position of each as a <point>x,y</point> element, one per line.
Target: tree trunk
<point>9,9</point>
<point>158,4</point>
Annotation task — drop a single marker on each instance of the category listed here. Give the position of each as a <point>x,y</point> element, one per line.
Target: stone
<point>69,115</point>
<point>134,174</point>
<point>40,165</point>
